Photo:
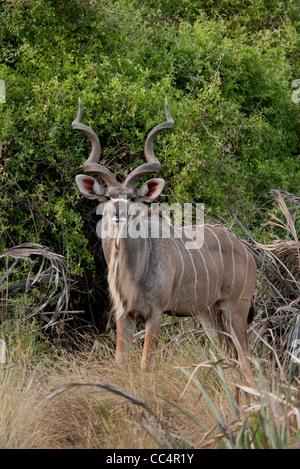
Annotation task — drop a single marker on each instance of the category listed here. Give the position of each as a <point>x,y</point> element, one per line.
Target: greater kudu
<point>148,276</point>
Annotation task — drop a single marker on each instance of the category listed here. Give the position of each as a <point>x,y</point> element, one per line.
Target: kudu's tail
<point>251,314</point>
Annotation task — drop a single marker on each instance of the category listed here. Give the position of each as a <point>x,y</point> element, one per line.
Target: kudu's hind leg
<point>125,330</point>
<point>235,314</point>
<point>213,324</point>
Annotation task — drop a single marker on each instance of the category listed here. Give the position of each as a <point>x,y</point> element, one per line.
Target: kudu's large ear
<point>151,190</point>
<point>90,188</point>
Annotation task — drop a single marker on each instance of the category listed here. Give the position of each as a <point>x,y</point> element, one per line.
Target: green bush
<point>226,70</point>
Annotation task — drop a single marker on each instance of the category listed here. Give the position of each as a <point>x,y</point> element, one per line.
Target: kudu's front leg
<point>125,331</point>
<point>153,326</point>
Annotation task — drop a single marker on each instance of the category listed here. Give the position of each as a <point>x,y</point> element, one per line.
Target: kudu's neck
<point>127,258</point>
<point>129,241</point>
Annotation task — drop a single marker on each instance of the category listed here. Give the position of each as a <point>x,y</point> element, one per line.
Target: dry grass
<point>83,418</point>
<point>188,400</point>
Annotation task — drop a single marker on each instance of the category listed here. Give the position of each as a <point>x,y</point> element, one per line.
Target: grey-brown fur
<point>213,277</point>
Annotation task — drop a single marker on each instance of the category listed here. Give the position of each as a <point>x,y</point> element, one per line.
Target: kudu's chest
<point>140,274</point>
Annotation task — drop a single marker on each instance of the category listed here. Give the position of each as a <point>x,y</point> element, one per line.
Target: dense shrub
<point>226,67</point>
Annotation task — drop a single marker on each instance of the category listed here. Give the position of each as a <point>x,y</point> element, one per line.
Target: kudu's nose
<point>120,213</point>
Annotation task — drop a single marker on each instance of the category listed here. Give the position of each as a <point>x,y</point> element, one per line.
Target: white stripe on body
<point>182,262</point>
<point>233,261</point>
<point>212,257</point>
<point>219,245</point>
<point>246,277</point>
<point>192,261</point>
<point>205,266</point>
